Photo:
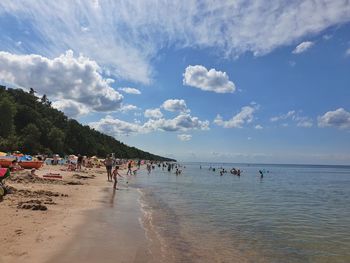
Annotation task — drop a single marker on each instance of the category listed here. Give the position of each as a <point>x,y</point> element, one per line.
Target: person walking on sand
<point>108,164</point>
<point>79,162</point>
<point>115,176</point>
<point>129,168</point>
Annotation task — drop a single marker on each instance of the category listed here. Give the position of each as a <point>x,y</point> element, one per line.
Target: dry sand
<point>81,209</point>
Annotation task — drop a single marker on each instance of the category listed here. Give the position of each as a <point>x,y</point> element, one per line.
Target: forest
<point>31,125</point>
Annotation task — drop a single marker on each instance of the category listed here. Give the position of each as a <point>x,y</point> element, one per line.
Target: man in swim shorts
<point>108,164</point>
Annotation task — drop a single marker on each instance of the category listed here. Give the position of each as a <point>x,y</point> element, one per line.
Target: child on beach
<point>129,168</point>
<point>115,176</point>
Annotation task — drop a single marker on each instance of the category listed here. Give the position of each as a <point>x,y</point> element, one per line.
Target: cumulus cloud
<point>183,122</point>
<point>117,34</point>
<point>184,137</point>
<point>302,47</point>
<point>131,90</point>
<point>116,127</point>
<point>63,79</point>
<point>128,107</point>
<point>212,80</point>
<point>175,105</point>
<point>258,127</point>
<point>153,113</point>
<point>245,116</point>
<point>70,107</point>
<point>339,118</point>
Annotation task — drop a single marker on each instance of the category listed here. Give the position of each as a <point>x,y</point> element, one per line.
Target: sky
<point>214,81</point>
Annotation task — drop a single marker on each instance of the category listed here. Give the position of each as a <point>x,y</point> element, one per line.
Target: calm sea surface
<point>296,213</point>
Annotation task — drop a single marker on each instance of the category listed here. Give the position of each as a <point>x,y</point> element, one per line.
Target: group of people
<point>113,174</point>
<point>222,171</point>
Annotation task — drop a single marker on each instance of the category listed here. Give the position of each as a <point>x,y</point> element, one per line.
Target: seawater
<point>296,213</point>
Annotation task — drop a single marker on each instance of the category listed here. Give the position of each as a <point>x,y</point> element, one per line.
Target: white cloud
<point>184,137</point>
<point>243,117</point>
<point>125,36</point>
<point>153,113</point>
<point>131,90</point>
<point>289,114</point>
<point>175,105</point>
<point>301,121</point>
<point>304,122</point>
<point>65,78</point>
<point>116,127</point>
<point>302,47</point>
<point>212,80</point>
<point>339,118</point>
<point>128,107</point>
<point>71,108</point>
<point>183,122</point>
<point>258,127</point>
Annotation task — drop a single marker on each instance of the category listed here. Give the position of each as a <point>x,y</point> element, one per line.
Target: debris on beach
<point>78,176</point>
<point>32,205</point>
<point>28,178</point>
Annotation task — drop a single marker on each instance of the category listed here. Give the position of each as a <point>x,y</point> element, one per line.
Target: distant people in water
<point>261,174</point>
<point>178,171</point>
<point>149,168</point>
<point>235,171</point>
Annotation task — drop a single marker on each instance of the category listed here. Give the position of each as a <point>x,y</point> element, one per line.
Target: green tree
<point>31,139</point>
<point>56,140</point>
<point>9,144</point>
<point>7,114</point>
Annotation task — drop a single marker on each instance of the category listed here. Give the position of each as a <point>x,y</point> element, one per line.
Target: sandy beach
<point>85,219</point>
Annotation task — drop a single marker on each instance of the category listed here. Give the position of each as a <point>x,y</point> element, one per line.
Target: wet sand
<point>111,233</point>
<point>85,220</point>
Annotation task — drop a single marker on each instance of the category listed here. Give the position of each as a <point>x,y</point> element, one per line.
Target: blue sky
<point>234,81</point>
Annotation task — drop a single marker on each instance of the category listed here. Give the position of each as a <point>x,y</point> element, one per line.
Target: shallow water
<point>295,213</point>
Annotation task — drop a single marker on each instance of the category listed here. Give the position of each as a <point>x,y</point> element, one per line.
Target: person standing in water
<point>108,164</point>
<point>138,164</point>
<point>261,174</point>
<point>115,176</point>
<point>129,168</point>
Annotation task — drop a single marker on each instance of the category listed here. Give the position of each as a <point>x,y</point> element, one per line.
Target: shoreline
<point>110,233</point>
<point>44,236</point>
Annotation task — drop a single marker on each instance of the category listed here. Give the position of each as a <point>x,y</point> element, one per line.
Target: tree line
<point>31,125</point>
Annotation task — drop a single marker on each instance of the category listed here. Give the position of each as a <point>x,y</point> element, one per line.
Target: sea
<point>295,213</point>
